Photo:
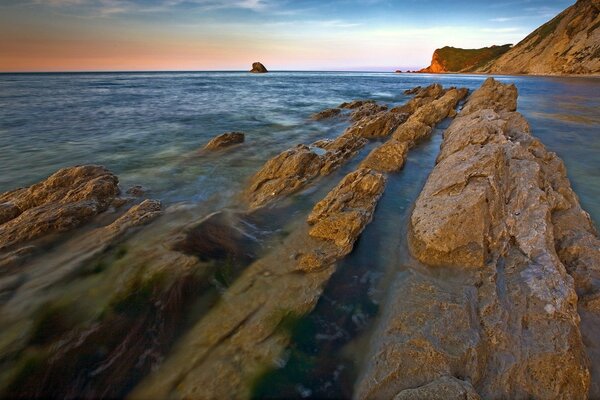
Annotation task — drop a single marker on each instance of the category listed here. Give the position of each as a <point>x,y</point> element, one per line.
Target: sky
<point>140,35</point>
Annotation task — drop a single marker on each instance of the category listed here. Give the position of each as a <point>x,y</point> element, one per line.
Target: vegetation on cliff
<point>453,59</point>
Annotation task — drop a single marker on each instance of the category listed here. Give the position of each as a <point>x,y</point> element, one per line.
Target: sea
<point>149,127</point>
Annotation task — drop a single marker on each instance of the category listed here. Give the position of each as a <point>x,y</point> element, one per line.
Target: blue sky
<point>230,34</point>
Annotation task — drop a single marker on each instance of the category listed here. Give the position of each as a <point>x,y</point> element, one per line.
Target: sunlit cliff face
<point>58,35</point>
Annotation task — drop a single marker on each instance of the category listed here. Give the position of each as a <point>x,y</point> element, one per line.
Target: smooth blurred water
<point>146,127</point>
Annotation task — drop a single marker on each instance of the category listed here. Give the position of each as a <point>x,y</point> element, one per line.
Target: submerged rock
<point>507,319</point>
<point>225,140</point>
<point>258,68</point>
<point>325,114</point>
<point>63,201</point>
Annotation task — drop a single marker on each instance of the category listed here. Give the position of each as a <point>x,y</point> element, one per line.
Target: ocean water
<point>148,128</point>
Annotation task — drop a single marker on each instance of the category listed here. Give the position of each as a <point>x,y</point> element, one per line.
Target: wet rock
<point>428,114</point>
<point>136,191</point>
<point>414,90</point>
<point>326,114</point>
<point>138,215</point>
<point>63,201</point>
<point>294,168</point>
<point>389,157</point>
<point>342,215</point>
<point>366,110</point>
<point>485,218</point>
<point>258,68</point>
<point>377,126</point>
<point>247,331</point>
<point>225,140</point>
<point>220,236</point>
<point>355,104</point>
<point>445,388</point>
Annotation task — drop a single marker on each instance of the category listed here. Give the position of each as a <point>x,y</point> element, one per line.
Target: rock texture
<point>294,168</point>
<point>258,68</point>
<point>485,225</point>
<point>568,44</point>
<point>452,59</point>
<point>343,214</point>
<point>63,201</point>
<point>225,140</point>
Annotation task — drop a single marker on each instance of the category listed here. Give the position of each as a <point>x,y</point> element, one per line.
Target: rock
<point>366,110</point>
<point>452,59</point>
<point>445,388</point>
<point>355,104</point>
<point>326,114</point>
<point>484,221</point>
<point>225,140</point>
<point>138,215</point>
<point>428,113</point>
<point>342,215</point>
<point>414,90</point>
<point>229,348</point>
<point>398,71</point>
<point>377,126</point>
<point>294,168</point>
<point>567,44</point>
<point>258,68</point>
<point>63,201</point>
<point>135,191</point>
<point>389,157</point>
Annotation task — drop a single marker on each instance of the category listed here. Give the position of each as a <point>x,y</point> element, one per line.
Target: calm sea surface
<point>148,127</point>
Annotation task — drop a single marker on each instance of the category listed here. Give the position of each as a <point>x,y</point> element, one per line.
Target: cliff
<point>568,44</point>
<point>452,59</point>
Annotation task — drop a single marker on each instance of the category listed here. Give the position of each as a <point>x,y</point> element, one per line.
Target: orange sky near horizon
<point>127,35</point>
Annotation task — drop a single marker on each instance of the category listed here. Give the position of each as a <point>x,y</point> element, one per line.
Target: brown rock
<point>377,126</point>
<point>486,214</point>
<point>445,388</point>
<point>355,104</point>
<point>326,114</point>
<point>63,201</point>
<point>225,140</point>
<point>342,215</point>
<point>293,169</point>
<point>366,110</point>
<point>389,157</point>
<point>258,68</point>
<point>414,90</point>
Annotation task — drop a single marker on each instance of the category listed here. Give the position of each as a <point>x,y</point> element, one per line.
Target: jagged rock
<point>366,110</point>
<point>258,68</point>
<point>428,113</point>
<point>388,157</point>
<point>445,388</point>
<point>225,140</point>
<point>63,201</point>
<point>325,114</point>
<point>135,191</point>
<point>414,90</point>
<point>567,44</point>
<point>485,219</point>
<point>342,215</point>
<point>294,168</point>
<point>355,104</point>
<point>138,215</point>
<point>377,126</point>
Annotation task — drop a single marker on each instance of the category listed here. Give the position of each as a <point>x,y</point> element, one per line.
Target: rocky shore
<point>501,301</point>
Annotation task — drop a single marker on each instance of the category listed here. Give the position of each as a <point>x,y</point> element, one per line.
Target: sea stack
<point>258,68</point>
